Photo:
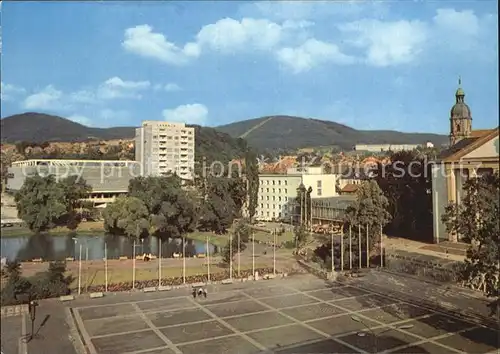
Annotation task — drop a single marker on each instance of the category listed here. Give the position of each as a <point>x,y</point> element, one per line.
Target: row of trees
<point>161,206</point>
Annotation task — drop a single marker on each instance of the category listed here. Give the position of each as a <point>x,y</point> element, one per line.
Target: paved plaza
<point>297,315</point>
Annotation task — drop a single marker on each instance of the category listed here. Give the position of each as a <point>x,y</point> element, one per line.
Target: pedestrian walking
<point>194,293</point>
<point>200,292</point>
<point>205,293</point>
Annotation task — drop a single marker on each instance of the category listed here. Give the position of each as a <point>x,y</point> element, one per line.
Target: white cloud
<point>228,35</point>
<point>457,22</point>
<point>117,88</point>
<point>141,40</point>
<point>189,113</point>
<point>80,119</point>
<point>170,87</point>
<point>9,91</point>
<point>48,98</point>
<point>310,54</point>
<point>465,32</point>
<point>387,43</point>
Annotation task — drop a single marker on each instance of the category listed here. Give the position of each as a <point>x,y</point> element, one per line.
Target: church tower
<point>460,117</point>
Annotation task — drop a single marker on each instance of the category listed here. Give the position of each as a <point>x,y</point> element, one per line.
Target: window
<point>267,190</point>
<point>286,191</point>
<point>279,190</point>
<point>279,198</point>
<point>267,197</point>
<point>274,182</point>
<point>274,198</point>
<point>262,190</point>
<point>279,182</point>
<point>267,206</point>
<point>318,191</point>
<point>262,206</point>
<point>274,190</point>
<point>285,182</point>
<point>318,184</point>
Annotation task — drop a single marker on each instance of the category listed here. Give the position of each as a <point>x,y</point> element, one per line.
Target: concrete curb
<point>96,295</point>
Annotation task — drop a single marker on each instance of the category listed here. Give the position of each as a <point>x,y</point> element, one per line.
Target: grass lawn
<point>217,240</point>
<point>117,275</point>
<point>265,236</point>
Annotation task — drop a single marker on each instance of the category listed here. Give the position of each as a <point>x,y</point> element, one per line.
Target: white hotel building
<point>163,147</point>
<point>277,192</point>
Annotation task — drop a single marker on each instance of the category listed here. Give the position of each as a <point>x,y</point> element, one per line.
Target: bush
<point>44,285</point>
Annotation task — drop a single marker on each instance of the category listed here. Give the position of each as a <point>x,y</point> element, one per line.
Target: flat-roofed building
<point>163,148</point>
<point>277,192</point>
<point>108,178</point>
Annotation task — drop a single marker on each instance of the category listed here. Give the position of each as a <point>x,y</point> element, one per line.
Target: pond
<point>49,248</point>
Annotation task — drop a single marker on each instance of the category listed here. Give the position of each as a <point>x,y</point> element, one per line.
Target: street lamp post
<point>159,261</point>
<point>133,265</point>
<point>183,260</point>
<point>80,271</point>
<point>208,262</point>
<point>253,255</point>
<point>231,255</point>
<point>105,267</point>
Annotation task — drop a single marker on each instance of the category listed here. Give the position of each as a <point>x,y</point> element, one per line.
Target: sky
<point>391,65</point>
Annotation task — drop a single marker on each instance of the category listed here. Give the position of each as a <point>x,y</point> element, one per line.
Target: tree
<point>252,176</point>
<point>75,189</point>
<point>407,181</point>
<point>126,216</point>
<point>172,210</point>
<point>221,200</point>
<point>369,211</point>
<point>304,203</point>
<point>475,219</point>
<point>41,203</point>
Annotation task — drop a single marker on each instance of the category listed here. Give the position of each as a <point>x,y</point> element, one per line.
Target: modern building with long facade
<point>108,179</point>
<point>277,192</point>
<point>471,154</point>
<point>163,148</point>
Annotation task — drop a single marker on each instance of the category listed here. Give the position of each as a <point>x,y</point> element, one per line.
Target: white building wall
<point>166,148</point>
<point>276,195</point>
<point>439,201</point>
<point>322,185</point>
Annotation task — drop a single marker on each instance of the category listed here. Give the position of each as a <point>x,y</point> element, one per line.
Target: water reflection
<point>49,247</point>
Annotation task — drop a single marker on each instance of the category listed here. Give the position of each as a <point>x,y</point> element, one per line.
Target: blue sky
<point>384,65</point>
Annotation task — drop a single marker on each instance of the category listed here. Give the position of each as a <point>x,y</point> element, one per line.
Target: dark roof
<point>462,144</point>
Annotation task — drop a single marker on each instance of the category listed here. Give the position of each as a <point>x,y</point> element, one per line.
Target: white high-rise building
<point>163,147</point>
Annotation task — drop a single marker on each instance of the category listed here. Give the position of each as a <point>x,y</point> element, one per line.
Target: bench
<point>96,295</point>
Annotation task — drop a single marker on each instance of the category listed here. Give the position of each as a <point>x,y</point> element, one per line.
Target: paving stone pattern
<point>283,317</point>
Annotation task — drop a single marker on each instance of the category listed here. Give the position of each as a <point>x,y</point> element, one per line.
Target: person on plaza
<point>194,293</point>
<point>205,293</point>
<point>200,292</point>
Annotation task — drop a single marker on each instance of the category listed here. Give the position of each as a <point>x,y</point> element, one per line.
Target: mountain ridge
<point>264,133</point>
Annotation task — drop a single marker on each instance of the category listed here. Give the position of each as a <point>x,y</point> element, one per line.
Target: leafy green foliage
<point>171,210</point>
<point>407,181</point>
<point>475,219</point>
<point>369,213</point>
<point>126,216</point>
<point>44,202</point>
<point>221,203</point>
<point>51,283</point>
